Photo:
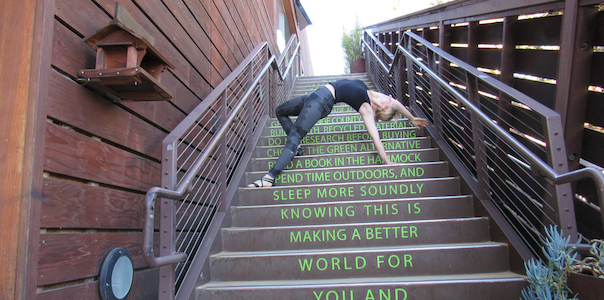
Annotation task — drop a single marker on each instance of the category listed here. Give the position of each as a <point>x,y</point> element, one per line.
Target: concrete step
<point>348,159</point>
<point>485,286</point>
<point>361,262</point>
<point>357,174</point>
<point>409,188</point>
<point>273,127</point>
<point>348,147</point>
<point>340,225</point>
<point>333,137</point>
<point>334,118</point>
<point>401,233</point>
<point>339,212</point>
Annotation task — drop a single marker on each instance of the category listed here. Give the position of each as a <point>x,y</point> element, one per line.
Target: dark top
<point>351,92</point>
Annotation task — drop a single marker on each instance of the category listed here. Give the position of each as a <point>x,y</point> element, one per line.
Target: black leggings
<point>309,108</point>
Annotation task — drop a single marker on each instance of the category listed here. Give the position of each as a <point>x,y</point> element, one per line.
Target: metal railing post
<point>482,175</point>
<point>167,274</point>
<point>435,100</point>
<point>399,80</point>
<point>561,196</point>
<point>411,77</point>
<point>223,153</point>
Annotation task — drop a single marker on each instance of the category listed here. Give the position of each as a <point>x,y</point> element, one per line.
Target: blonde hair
<point>386,114</point>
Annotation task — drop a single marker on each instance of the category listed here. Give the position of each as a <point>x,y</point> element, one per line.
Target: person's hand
<point>419,123</point>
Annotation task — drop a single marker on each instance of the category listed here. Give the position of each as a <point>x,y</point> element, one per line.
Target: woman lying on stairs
<point>310,108</point>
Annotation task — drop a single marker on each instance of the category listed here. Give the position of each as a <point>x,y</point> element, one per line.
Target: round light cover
<point>117,274</point>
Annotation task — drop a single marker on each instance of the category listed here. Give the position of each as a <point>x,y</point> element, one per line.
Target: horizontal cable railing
<point>283,84</point>
<point>378,66</point>
<point>202,164</point>
<point>508,147</point>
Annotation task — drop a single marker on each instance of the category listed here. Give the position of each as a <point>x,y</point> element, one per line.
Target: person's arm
<point>417,122</point>
<point>368,118</point>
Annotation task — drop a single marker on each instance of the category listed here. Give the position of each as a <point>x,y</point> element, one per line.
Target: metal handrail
<point>543,167</point>
<point>291,49</point>
<point>537,165</point>
<point>185,185</point>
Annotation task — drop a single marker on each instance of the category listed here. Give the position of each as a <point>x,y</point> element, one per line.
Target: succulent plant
<point>548,280</point>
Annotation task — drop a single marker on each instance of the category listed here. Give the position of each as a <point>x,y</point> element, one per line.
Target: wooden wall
<point>100,157</point>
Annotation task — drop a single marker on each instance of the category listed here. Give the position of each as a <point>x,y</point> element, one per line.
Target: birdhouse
<point>128,67</point>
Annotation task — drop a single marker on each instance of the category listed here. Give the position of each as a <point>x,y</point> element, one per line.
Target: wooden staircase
<point>340,225</point>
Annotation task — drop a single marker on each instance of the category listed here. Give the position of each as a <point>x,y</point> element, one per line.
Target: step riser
<point>340,118</point>
<point>451,290</point>
<point>303,88</point>
<point>359,174</point>
<point>348,147</point>
<point>346,160</point>
<point>351,191</point>
<point>275,127</point>
<point>353,212</point>
<point>356,235</point>
<point>342,109</point>
<point>343,137</point>
<point>355,264</point>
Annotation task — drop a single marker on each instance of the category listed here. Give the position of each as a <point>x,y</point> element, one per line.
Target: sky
<point>330,17</point>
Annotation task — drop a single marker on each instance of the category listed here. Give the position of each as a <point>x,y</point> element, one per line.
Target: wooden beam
<point>576,49</point>
<point>290,12</point>
<point>25,44</point>
<point>472,53</point>
<point>469,10</point>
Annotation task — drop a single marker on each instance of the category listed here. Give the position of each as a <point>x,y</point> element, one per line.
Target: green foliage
<point>549,281</point>
<point>593,264</point>
<point>351,44</point>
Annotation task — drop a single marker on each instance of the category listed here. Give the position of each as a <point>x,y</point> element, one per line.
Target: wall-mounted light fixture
<point>116,276</point>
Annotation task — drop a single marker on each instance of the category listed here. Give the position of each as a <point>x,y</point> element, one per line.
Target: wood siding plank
<point>184,99</point>
<point>200,60</point>
<point>69,51</point>
<point>90,291</point>
<point>595,107</point>
<point>226,26</point>
<point>217,30</point>
<point>78,106</point>
<point>215,49</point>
<point>242,19</point>
<point>593,147</point>
<point>490,59</point>
<point>539,31</point>
<point>72,256</point>
<point>82,15</point>
<point>537,63</point>
<point>256,18</point>
<point>75,155</point>
<point>24,64</point>
<point>67,204</point>
<point>542,92</point>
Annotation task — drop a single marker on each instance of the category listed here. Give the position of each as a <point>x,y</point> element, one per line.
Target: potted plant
<point>587,277</point>
<point>560,276</point>
<point>353,53</point>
